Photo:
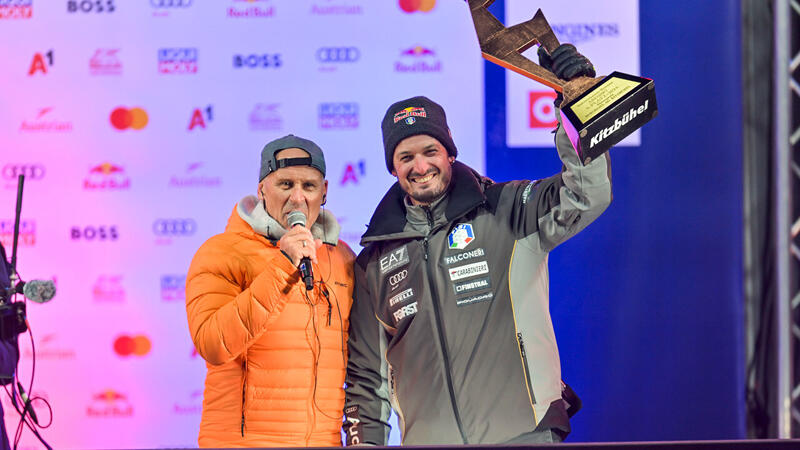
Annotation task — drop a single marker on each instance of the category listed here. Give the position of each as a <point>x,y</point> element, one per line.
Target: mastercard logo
<point>124,118</point>
<point>132,345</point>
<point>411,6</point>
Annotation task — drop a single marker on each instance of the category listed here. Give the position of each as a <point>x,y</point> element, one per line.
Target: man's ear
<point>394,173</point>
<point>325,192</point>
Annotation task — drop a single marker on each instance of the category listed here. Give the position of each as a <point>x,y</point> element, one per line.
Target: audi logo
<point>171,3</point>
<point>338,54</point>
<point>174,227</point>
<point>398,277</point>
<point>31,171</point>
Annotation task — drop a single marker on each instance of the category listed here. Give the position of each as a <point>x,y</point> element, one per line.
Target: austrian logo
<point>409,115</point>
<point>107,176</point>
<point>46,122</point>
<point>105,61</point>
<point>461,236</point>
<point>191,405</point>
<point>194,178</point>
<point>336,8</point>
<point>265,117</point>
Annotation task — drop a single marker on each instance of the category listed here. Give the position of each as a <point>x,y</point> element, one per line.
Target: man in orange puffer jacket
<point>275,351</point>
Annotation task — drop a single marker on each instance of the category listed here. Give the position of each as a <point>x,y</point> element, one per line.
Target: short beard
<point>428,197</point>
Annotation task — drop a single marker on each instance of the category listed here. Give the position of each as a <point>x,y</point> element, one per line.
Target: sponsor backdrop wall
<point>646,301</point>
<point>139,125</point>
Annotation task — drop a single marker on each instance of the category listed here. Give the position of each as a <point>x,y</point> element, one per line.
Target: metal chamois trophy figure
<point>596,113</point>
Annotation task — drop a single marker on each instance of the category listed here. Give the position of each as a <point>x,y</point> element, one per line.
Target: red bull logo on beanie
<point>409,115</point>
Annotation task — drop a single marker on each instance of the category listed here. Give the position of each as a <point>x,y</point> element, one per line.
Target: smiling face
<point>294,188</point>
<point>423,168</point>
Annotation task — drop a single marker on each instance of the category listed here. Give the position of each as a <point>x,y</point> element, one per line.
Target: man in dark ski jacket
<point>454,269</point>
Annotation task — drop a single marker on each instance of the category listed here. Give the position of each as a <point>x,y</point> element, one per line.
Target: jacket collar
<point>464,195</point>
<point>252,211</point>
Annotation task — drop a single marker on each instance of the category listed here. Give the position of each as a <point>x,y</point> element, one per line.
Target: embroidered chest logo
<point>393,260</point>
<point>461,236</point>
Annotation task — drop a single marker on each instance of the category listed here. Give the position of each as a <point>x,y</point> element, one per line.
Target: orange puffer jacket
<point>275,353</point>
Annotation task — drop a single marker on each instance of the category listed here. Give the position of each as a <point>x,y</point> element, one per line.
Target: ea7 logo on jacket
<point>461,236</point>
<point>395,259</point>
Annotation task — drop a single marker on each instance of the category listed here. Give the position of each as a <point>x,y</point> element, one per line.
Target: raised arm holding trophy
<point>597,113</point>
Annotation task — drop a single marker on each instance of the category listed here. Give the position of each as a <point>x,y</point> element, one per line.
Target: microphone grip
<point>305,271</point>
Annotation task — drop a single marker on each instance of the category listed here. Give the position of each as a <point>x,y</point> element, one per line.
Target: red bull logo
<point>109,403</point>
<point>107,176</point>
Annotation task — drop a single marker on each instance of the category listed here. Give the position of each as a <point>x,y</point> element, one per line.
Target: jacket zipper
<point>244,390</point>
<point>437,315</point>
<point>525,367</point>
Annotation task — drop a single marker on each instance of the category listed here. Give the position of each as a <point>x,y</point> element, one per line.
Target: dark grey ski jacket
<point>450,322</point>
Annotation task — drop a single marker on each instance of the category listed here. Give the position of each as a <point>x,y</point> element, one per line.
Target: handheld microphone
<point>298,218</point>
<point>38,291</point>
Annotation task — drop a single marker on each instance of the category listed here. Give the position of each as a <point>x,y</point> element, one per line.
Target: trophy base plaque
<point>606,113</point>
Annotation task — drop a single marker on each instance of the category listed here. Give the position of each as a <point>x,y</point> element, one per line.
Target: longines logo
<point>265,117</point>
<point>108,289</point>
<point>583,32</point>
<point>107,176</point>
<point>110,403</point>
<point>338,115</point>
<point>418,59</point>
<point>94,233</point>
<point>194,178</point>
<point>177,60</point>
<point>251,9</point>
<point>16,9</point>
<point>336,8</point>
<point>91,6</point>
<point>105,61</point>
<point>46,122</point>
<point>27,233</point>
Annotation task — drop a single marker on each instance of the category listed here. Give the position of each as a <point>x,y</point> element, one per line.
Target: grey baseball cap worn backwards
<point>269,164</point>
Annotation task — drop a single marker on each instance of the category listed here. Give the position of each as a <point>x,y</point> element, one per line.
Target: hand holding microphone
<point>300,245</point>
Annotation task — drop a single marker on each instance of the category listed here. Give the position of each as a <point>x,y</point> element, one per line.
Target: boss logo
<point>398,277</point>
<point>98,6</point>
<point>171,3</point>
<point>31,171</point>
<point>92,233</point>
<point>254,61</point>
<point>174,227</point>
<point>338,54</point>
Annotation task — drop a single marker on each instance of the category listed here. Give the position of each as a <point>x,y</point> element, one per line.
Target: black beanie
<point>416,115</point>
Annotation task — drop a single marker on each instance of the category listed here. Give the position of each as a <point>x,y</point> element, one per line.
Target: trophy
<point>596,113</point>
